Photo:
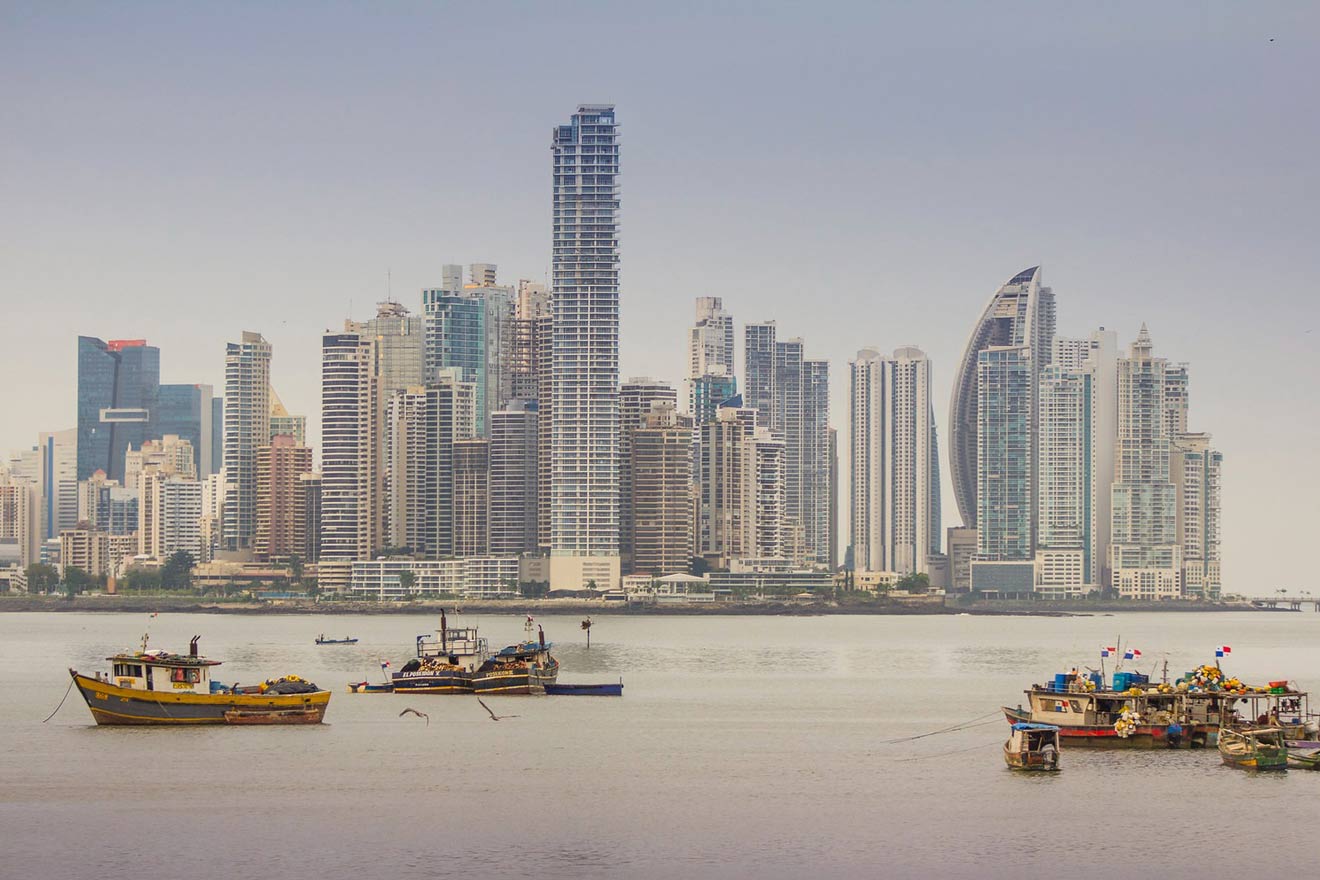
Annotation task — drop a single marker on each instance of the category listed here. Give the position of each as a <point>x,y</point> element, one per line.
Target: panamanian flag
<point>1107,652</point>
<point>1222,650</point>
<point>384,664</point>
<point>1131,654</point>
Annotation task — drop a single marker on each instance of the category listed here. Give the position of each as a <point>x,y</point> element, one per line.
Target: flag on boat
<point>1131,654</point>
<point>153,614</point>
<point>384,664</point>
<point>1106,652</point>
<point>1222,650</point>
<point>529,618</point>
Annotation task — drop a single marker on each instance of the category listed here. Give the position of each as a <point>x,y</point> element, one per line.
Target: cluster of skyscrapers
<point>1073,468</point>
<point>488,442</point>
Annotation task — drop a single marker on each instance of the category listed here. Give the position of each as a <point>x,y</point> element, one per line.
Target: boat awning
<point>1032,725</point>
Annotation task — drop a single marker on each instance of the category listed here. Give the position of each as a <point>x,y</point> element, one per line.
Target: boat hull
<point>585,690</point>
<point>1146,736</point>
<point>276,716</point>
<point>455,681</point>
<point>1034,761</point>
<point>363,687</point>
<point>525,679</point>
<point>115,706</point>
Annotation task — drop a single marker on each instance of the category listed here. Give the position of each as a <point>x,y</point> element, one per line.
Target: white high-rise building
<point>1145,553</point>
<point>1196,468</point>
<point>894,456</point>
<point>352,478</point>
<point>247,428</point>
<point>584,452</point>
<point>59,481</point>
<point>424,424</point>
<point>790,394</point>
<point>171,516</point>
<point>1077,409</point>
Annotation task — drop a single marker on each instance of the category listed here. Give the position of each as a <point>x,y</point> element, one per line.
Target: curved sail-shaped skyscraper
<point>1019,315</point>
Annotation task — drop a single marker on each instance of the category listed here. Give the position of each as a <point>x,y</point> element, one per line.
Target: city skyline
<point>923,302</point>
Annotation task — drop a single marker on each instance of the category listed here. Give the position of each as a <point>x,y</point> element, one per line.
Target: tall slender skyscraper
<point>1076,462</point>
<point>352,479</point>
<point>790,394</point>
<point>894,463</point>
<point>1019,314</point>
<point>584,455</point>
<point>637,398</point>
<point>1196,468</point>
<point>59,482</point>
<point>759,370</point>
<point>513,481</point>
<point>1146,553</point>
<point>247,429</point>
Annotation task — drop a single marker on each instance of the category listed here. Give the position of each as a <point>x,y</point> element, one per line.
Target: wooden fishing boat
<point>524,668</point>
<point>273,716</point>
<point>1032,747</point>
<point>160,688</point>
<point>322,640</point>
<point>585,690</point>
<point>443,665</point>
<point>366,687</point>
<point>1253,748</point>
<point>1303,759</point>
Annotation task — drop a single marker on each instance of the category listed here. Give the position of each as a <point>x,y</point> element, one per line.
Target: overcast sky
<point>865,174</point>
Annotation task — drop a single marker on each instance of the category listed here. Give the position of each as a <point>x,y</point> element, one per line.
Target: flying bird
<point>493,716</point>
<point>418,714</point>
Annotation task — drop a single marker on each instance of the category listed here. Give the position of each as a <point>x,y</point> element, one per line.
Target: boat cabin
<point>460,647</point>
<point>1097,708</point>
<point>162,671</point>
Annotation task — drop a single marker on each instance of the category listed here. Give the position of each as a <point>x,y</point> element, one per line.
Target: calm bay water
<point>743,747</point>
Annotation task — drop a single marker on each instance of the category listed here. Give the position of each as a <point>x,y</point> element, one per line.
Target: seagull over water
<point>418,714</point>
<point>493,716</point>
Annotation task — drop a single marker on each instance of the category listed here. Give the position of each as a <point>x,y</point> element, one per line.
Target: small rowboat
<point>585,690</point>
<point>366,687</point>
<point>275,716</point>
<point>322,640</point>
<point>1253,748</point>
<point>1032,746</point>
<point>1303,759</point>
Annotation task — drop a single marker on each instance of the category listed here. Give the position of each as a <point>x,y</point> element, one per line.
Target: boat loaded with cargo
<point>157,687</point>
<point>459,661</point>
<point>1131,711</point>
<point>524,668</point>
<point>445,663</point>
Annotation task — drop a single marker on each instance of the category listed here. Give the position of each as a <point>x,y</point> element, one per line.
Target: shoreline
<point>894,607</point>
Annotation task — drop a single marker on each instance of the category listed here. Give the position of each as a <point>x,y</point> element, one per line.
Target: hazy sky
<point>865,174</point>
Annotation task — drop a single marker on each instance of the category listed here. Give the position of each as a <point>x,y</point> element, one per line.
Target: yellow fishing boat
<point>157,687</point>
